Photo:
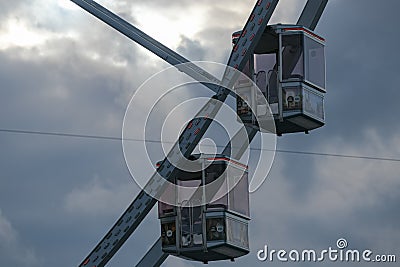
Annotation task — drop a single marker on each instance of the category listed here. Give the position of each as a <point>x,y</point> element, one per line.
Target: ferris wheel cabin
<point>288,66</point>
<point>196,230</point>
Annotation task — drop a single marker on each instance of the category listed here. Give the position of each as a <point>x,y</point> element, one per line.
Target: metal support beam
<point>311,14</point>
<point>237,152</point>
<point>154,257</point>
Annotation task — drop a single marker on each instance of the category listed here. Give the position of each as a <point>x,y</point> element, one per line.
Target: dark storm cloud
<point>63,85</point>
<point>46,93</point>
<point>64,94</point>
<point>45,183</point>
<point>362,65</point>
<point>362,80</point>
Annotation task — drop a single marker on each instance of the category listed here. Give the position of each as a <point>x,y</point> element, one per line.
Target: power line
<point>113,138</point>
<point>61,134</point>
<point>337,155</point>
<point>100,137</point>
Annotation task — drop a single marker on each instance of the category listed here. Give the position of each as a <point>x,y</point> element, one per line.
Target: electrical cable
<point>113,138</point>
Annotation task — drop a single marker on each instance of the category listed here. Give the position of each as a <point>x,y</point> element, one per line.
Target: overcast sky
<point>61,70</point>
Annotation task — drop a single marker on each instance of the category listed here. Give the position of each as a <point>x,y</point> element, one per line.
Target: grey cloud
<point>192,48</point>
<point>362,61</point>
<point>8,7</point>
<point>12,249</point>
